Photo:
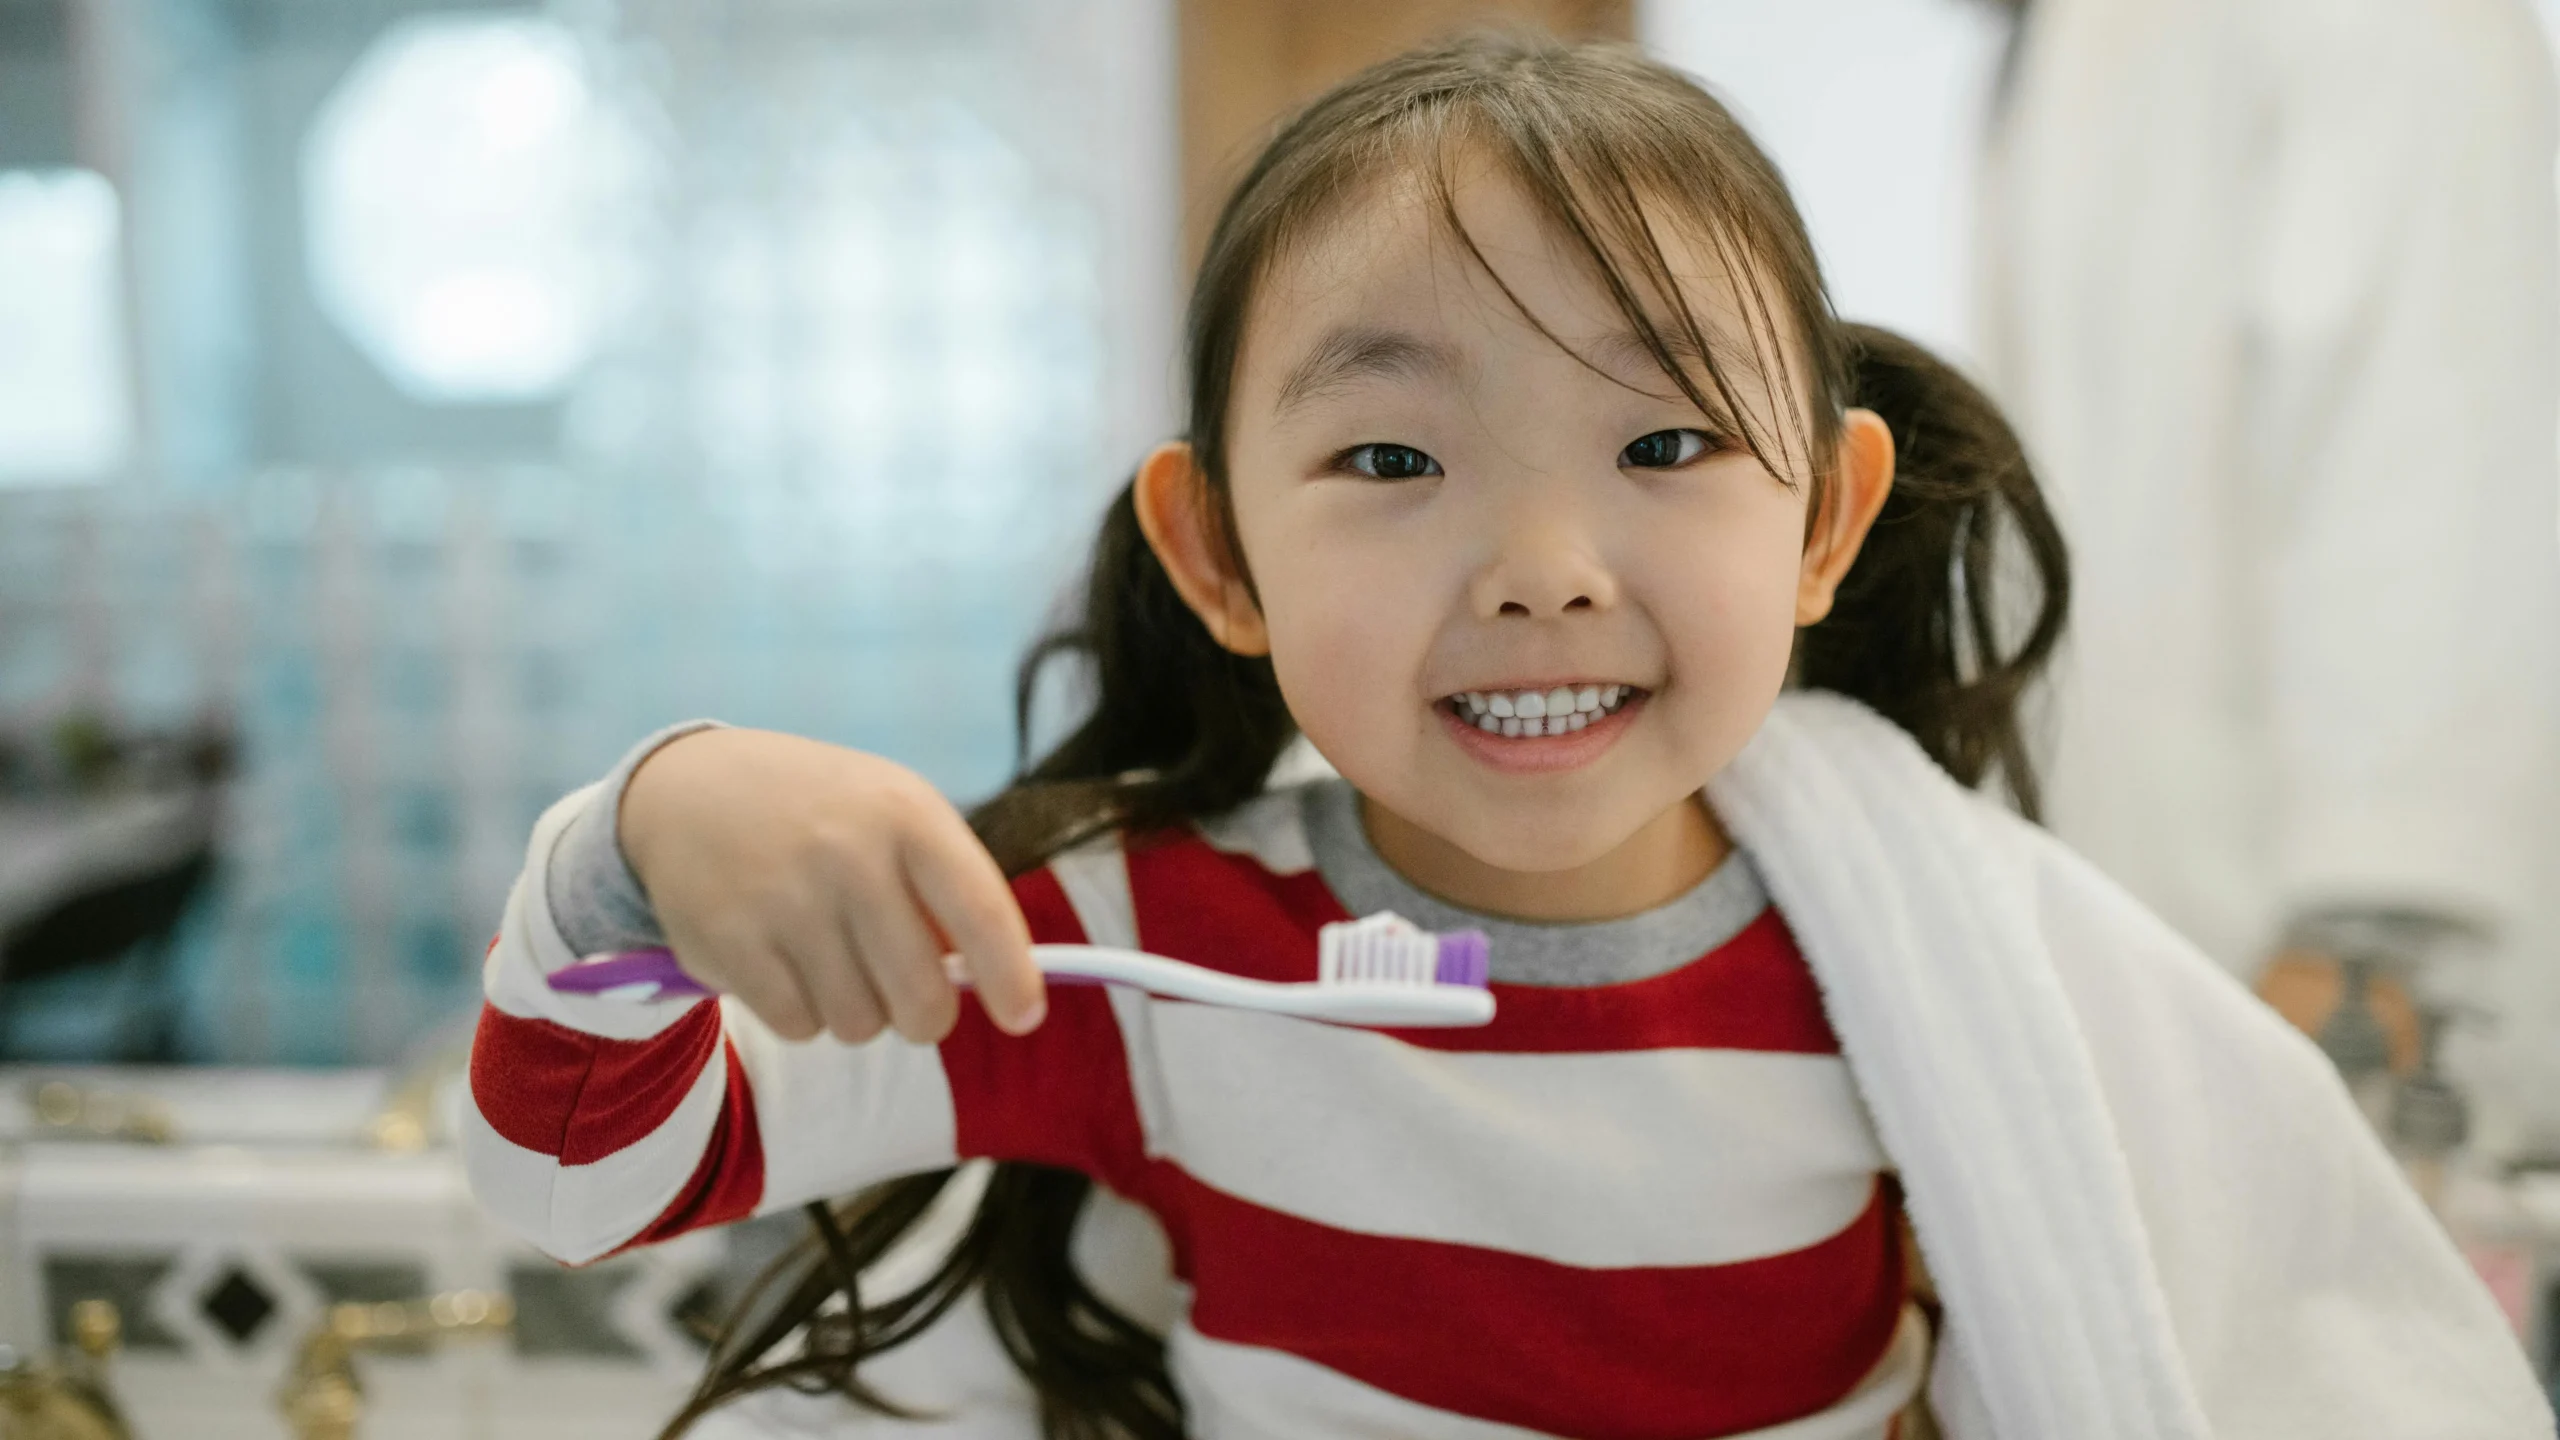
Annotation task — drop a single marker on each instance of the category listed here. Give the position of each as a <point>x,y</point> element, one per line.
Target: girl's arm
<point>597,1124</point>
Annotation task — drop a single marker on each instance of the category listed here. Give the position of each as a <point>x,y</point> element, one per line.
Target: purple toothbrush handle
<point>629,967</point>
<point>638,967</point>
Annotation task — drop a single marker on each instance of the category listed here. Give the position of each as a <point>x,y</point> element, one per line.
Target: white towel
<point>2149,1206</point>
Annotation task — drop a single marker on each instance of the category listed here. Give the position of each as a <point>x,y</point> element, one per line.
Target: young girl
<point>1529,477</point>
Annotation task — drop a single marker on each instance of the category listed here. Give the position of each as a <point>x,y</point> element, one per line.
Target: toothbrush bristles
<point>1465,958</point>
<point>1387,949</point>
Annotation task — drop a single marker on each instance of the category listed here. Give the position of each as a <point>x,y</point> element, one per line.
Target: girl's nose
<point>1546,569</point>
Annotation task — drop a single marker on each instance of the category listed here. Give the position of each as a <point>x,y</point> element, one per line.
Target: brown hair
<point>1604,142</point>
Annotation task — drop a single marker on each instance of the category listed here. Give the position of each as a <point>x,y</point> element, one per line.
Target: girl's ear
<point>1176,515</point>
<point>1860,481</point>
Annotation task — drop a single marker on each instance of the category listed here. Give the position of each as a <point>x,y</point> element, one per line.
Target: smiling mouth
<point>1533,714</point>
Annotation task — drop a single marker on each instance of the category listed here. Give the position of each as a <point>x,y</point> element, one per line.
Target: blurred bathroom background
<point>405,405</point>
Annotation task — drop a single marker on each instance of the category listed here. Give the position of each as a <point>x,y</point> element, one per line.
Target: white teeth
<point>1558,711</point>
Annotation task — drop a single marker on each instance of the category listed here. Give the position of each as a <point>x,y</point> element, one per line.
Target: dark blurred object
<point>2350,976</point>
<point>107,837</point>
<point>2369,983</point>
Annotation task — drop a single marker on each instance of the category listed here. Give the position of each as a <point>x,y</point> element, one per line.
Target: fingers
<point>834,912</point>
<point>903,957</point>
<point>848,1002</point>
<point>766,980</point>
<point>964,892</point>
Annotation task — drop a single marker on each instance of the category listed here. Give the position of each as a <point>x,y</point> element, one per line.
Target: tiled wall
<point>898,321</point>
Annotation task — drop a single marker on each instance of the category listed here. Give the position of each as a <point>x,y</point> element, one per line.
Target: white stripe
<point>578,1212</point>
<point>529,949</point>
<point>837,1117</point>
<point>510,1182</point>
<point>1121,1250</point>
<point>1272,829</point>
<point>1660,1157</point>
<point>1245,1392</point>
<point>1300,763</point>
<point>1135,1011</point>
<point>1095,876</point>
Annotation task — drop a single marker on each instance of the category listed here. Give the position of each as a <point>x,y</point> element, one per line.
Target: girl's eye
<point>1664,449</point>
<point>1388,462</point>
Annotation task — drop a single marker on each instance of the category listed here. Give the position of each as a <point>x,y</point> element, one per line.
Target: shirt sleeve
<point>597,1124</point>
<point>595,896</point>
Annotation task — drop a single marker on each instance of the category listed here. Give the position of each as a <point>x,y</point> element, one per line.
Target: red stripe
<point>1226,911</point>
<point>1060,1095</point>
<point>1617,1354</point>
<point>1057,1096</point>
<point>1045,907</point>
<point>578,1097</point>
<point>1754,992</point>
<point>1198,903</point>
<point>729,1180</point>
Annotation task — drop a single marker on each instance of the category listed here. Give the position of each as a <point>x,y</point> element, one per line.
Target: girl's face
<point>1446,516</point>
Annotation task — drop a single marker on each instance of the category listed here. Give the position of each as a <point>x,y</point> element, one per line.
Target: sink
<point>267,1200</point>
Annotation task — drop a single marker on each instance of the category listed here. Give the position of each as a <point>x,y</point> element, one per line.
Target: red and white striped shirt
<point>1651,1208</point>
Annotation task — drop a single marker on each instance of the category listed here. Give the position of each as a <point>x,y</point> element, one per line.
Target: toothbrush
<point>1382,970</point>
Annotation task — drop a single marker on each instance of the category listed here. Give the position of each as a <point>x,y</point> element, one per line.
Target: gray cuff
<point>596,901</point>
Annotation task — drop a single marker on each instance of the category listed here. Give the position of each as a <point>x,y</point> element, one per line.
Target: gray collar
<point>1601,952</point>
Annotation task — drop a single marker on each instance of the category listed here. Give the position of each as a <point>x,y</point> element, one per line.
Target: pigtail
<point>1178,726</point>
<point>1929,628</point>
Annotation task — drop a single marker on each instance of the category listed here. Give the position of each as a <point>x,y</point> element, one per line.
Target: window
<point>459,190</point>
<point>65,412</point>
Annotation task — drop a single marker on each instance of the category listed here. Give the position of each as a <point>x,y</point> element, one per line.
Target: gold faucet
<point>66,1397</point>
<point>322,1398</point>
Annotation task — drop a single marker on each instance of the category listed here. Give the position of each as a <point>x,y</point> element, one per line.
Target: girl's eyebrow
<point>1356,352</point>
<point>1623,352</point>
<point>1626,348</point>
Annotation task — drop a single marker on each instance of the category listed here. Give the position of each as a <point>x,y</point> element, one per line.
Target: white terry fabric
<point>2149,1207</point>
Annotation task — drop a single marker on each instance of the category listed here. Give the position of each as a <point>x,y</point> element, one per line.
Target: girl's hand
<point>823,886</point>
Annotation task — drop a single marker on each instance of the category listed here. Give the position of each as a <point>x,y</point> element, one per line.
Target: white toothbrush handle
<point>1347,1002</point>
